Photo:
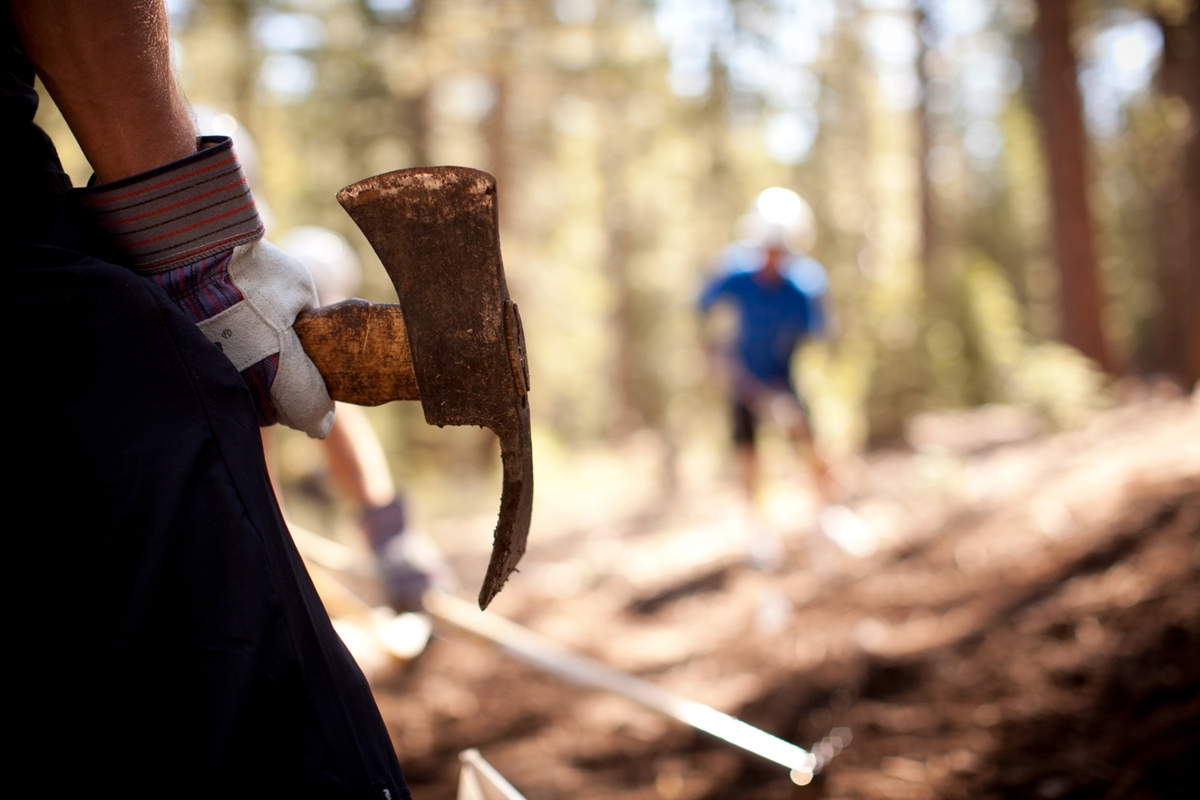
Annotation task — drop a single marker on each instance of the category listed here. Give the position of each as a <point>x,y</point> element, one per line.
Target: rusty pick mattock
<point>454,342</point>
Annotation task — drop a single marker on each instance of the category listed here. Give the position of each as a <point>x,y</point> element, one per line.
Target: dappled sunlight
<point>965,510</point>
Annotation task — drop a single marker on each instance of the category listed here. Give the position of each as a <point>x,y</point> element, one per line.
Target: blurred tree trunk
<point>1192,341</point>
<point>239,73</point>
<point>414,111</point>
<point>1176,345</point>
<point>628,415</point>
<point>497,127</point>
<point>630,348</point>
<point>245,71</point>
<point>929,243</point>
<point>495,133</point>
<point>1066,154</point>
<point>720,187</point>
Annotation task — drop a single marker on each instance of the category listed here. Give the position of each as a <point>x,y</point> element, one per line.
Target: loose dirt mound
<point>1028,627</point>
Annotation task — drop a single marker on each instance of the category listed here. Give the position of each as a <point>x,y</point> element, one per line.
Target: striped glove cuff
<point>180,212</point>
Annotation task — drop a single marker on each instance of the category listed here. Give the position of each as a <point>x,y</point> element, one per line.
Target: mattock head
<point>435,230</point>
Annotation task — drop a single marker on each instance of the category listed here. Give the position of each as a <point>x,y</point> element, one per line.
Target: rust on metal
<point>435,230</point>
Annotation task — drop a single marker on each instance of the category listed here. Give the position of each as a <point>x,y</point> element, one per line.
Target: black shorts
<point>746,422</point>
<point>169,641</point>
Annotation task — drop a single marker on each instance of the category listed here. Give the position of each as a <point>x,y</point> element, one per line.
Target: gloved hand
<point>409,563</point>
<point>192,228</point>
<point>268,288</point>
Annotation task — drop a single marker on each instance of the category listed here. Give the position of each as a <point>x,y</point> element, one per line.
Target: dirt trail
<point>1029,627</point>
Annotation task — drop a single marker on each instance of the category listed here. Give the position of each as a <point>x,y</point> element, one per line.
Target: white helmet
<point>780,220</point>
<point>212,120</point>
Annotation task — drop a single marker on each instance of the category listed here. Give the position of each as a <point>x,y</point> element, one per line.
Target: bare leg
<point>408,562</point>
<point>787,412</point>
<point>802,437</point>
<point>747,459</point>
<point>356,461</point>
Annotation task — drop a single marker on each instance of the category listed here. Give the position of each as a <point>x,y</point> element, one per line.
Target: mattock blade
<point>435,229</point>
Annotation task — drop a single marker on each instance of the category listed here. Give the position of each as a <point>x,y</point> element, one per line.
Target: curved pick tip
<point>516,507</point>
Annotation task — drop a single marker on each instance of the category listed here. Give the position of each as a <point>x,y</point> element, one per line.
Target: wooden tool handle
<point>361,349</point>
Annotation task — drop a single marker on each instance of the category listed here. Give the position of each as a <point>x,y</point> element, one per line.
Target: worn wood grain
<point>361,349</point>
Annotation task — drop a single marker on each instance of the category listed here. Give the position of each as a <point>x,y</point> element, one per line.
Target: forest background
<point>627,137</point>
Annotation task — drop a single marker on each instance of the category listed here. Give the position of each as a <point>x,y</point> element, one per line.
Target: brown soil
<point>1029,627</point>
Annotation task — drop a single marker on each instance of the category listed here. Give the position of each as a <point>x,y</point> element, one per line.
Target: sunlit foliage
<point>627,136</point>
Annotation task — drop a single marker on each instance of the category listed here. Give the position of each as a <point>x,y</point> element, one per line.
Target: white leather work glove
<point>275,288</point>
<point>191,227</point>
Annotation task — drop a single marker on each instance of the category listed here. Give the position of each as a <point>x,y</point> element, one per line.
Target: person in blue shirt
<point>778,296</point>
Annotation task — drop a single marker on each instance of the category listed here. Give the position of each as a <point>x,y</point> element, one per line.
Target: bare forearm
<point>107,65</point>
<point>356,460</point>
